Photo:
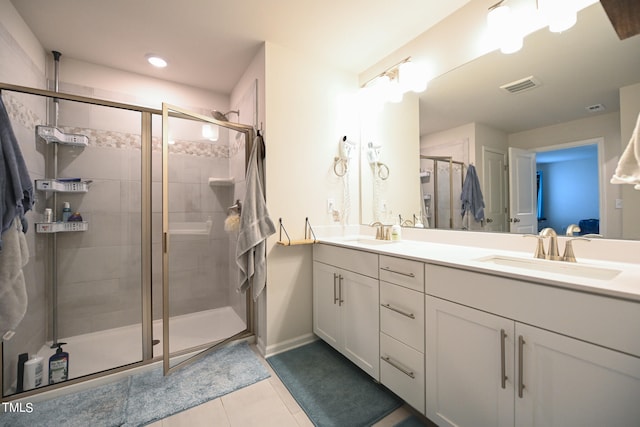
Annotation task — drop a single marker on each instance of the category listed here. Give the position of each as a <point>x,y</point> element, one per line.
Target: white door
<point>360,316</point>
<point>522,191</point>
<point>494,189</point>
<point>326,303</point>
<point>469,366</point>
<point>572,383</point>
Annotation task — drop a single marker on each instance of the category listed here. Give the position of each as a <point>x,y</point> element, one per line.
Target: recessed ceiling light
<point>156,61</point>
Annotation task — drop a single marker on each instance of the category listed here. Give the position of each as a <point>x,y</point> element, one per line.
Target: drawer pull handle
<point>340,300</point>
<point>397,310</point>
<point>390,270</point>
<point>397,365</point>
<point>335,279</point>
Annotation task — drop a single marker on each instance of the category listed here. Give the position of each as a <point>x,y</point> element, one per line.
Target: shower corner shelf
<point>425,174</point>
<point>221,182</point>
<point>62,186</point>
<point>61,227</point>
<point>53,134</point>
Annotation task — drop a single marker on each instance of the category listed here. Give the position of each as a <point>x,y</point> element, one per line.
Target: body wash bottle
<point>59,366</point>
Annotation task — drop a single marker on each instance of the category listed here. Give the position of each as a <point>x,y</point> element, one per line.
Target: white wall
<point>304,113</point>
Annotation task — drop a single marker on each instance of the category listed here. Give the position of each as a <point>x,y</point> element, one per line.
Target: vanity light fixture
<point>156,60</point>
<point>394,82</point>
<point>561,15</point>
<point>504,28</point>
<point>210,132</point>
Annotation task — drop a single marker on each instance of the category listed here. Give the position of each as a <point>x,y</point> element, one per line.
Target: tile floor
<point>265,403</point>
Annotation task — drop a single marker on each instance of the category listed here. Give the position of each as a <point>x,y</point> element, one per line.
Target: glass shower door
<point>202,161</point>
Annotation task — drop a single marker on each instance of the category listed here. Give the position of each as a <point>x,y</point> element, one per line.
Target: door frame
<point>175,111</point>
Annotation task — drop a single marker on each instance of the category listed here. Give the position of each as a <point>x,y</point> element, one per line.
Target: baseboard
<point>290,344</point>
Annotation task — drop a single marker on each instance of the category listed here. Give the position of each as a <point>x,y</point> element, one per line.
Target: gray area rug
<point>330,389</point>
<point>147,397</point>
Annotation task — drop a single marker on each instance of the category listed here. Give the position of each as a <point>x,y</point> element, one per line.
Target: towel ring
<point>340,166</point>
<point>383,171</point>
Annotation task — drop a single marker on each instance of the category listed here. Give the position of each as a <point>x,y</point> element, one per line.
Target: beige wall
<point>301,136</point>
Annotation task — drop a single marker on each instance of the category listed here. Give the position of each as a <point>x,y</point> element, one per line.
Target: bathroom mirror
<point>579,74</point>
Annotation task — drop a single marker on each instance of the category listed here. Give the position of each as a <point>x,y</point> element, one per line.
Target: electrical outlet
<point>331,205</point>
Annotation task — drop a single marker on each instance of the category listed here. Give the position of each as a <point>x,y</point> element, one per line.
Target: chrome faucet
<point>552,253</point>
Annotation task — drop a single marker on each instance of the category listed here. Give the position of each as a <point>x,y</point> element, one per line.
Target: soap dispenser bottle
<point>59,366</point>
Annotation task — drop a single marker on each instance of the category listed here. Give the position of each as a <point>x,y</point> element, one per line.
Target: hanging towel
<point>471,196</point>
<point>628,170</point>
<point>13,291</point>
<point>16,187</point>
<point>255,225</point>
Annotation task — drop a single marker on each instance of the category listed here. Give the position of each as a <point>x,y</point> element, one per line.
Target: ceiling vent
<point>522,85</point>
<point>595,108</point>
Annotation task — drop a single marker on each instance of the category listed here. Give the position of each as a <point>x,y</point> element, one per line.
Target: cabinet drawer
<point>402,371</point>
<point>402,272</point>
<point>402,314</point>
<point>361,262</point>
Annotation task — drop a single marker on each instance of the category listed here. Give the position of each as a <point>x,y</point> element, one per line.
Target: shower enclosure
<point>149,272</point>
<point>441,180</point>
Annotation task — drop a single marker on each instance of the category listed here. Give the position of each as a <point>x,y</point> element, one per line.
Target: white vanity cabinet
<point>346,304</point>
<point>487,364</point>
<point>402,328</point>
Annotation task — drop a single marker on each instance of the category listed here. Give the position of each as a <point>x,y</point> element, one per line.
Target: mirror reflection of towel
<point>628,170</point>
<point>471,196</point>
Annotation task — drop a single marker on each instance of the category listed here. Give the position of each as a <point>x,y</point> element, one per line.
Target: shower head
<point>223,116</point>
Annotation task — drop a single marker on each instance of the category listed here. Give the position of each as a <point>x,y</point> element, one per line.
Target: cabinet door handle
<point>397,365</point>
<point>503,373</point>
<point>521,343</point>
<point>335,295</point>
<point>397,272</point>
<point>340,300</point>
<point>397,310</point>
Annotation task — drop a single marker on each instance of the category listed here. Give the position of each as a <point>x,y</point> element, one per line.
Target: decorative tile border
<point>20,113</point>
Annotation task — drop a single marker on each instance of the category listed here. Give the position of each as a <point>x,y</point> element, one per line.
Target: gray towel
<point>13,291</point>
<point>16,187</point>
<point>471,196</point>
<point>255,226</point>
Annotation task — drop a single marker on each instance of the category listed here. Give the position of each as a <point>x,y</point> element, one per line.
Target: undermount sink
<point>369,241</point>
<point>557,267</point>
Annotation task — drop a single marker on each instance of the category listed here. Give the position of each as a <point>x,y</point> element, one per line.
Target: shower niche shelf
<point>62,186</point>
<point>61,227</point>
<point>221,182</point>
<point>51,134</point>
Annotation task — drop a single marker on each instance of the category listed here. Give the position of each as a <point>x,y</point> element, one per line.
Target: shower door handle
<point>165,243</point>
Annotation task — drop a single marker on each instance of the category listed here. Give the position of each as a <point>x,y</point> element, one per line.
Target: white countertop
<point>625,284</point>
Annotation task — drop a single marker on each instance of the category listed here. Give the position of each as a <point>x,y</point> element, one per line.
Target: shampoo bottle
<point>59,366</point>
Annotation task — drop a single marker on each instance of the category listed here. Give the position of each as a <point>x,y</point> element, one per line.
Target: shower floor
<point>100,351</point>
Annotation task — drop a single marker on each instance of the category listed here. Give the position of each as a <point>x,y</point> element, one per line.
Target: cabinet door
<point>326,308</point>
<point>468,353</point>
<point>360,316</point>
<point>572,383</point>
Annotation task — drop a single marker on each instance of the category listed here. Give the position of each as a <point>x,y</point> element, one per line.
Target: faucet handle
<point>568,255</point>
<point>539,252</point>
